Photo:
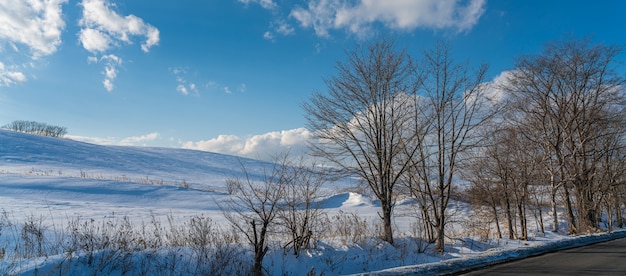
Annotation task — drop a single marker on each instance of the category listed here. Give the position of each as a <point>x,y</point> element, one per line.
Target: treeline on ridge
<point>38,128</point>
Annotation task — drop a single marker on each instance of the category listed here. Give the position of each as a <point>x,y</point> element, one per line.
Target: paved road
<point>608,258</point>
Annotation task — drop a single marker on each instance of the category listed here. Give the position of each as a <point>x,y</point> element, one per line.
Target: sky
<point>230,76</point>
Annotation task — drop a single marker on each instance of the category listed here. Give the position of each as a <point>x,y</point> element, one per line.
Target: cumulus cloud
<point>10,76</point>
<point>112,141</point>
<point>33,26</point>
<point>94,40</point>
<point>134,140</point>
<point>93,140</point>
<point>263,146</point>
<point>493,90</point>
<point>358,17</point>
<point>36,24</point>
<point>103,29</point>
<point>319,14</point>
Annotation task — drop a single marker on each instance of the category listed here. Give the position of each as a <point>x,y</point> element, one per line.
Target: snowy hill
<point>64,178</point>
<point>24,153</point>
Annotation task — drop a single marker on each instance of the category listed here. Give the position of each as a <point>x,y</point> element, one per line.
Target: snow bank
<point>497,256</point>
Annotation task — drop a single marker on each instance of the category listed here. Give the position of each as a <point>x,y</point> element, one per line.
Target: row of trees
<point>551,133</point>
<point>562,135</point>
<point>401,124</point>
<point>37,128</point>
<point>413,127</point>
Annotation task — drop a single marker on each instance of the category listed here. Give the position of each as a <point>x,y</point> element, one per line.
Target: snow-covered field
<point>51,188</point>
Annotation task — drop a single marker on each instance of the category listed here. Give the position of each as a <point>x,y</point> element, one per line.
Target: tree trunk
<point>428,225</point>
<point>587,211</point>
<point>538,208</point>
<point>572,229</point>
<point>555,215</point>
<point>509,215</point>
<point>259,249</point>
<point>618,213</point>
<point>495,215</point>
<point>523,222</point>
<point>387,230</point>
<point>441,235</point>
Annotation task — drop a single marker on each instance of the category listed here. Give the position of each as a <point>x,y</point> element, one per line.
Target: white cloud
<point>94,40</point>
<point>187,83</point>
<point>319,14</point>
<point>111,63</point>
<point>493,91</point>
<point>263,146</point>
<point>10,76</point>
<point>109,141</point>
<point>183,86</point>
<point>226,144</point>
<point>281,27</point>
<point>134,140</point>
<point>358,17</point>
<point>103,28</point>
<point>284,28</point>
<point>37,24</point>
<point>269,36</point>
<point>93,140</point>
<point>92,59</point>
<point>182,89</point>
<point>266,4</point>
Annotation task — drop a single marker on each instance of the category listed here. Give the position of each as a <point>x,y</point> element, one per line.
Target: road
<point>607,258</point>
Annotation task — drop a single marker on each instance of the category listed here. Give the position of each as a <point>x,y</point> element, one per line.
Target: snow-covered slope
<point>39,155</point>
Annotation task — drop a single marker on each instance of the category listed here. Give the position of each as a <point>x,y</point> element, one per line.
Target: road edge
<point>487,258</point>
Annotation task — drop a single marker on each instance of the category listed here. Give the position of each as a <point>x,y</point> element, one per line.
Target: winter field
<point>72,208</point>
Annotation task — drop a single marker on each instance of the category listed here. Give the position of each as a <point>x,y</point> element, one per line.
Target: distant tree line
<point>37,128</point>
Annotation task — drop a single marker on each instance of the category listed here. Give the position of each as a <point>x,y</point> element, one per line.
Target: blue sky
<point>230,76</point>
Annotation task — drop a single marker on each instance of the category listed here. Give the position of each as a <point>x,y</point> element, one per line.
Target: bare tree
<point>450,108</point>
<point>253,209</point>
<point>363,123</point>
<point>525,166</point>
<point>301,208</point>
<point>484,189</point>
<point>571,96</point>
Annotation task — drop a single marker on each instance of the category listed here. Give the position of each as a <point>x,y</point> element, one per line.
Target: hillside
<point>39,155</point>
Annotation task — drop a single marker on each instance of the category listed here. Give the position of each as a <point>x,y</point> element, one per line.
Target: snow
<point>56,181</point>
<point>500,255</point>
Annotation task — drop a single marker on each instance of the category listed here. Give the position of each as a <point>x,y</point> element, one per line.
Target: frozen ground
<point>55,181</point>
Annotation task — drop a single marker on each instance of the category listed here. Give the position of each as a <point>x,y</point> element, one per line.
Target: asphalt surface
<point>607,258</point>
